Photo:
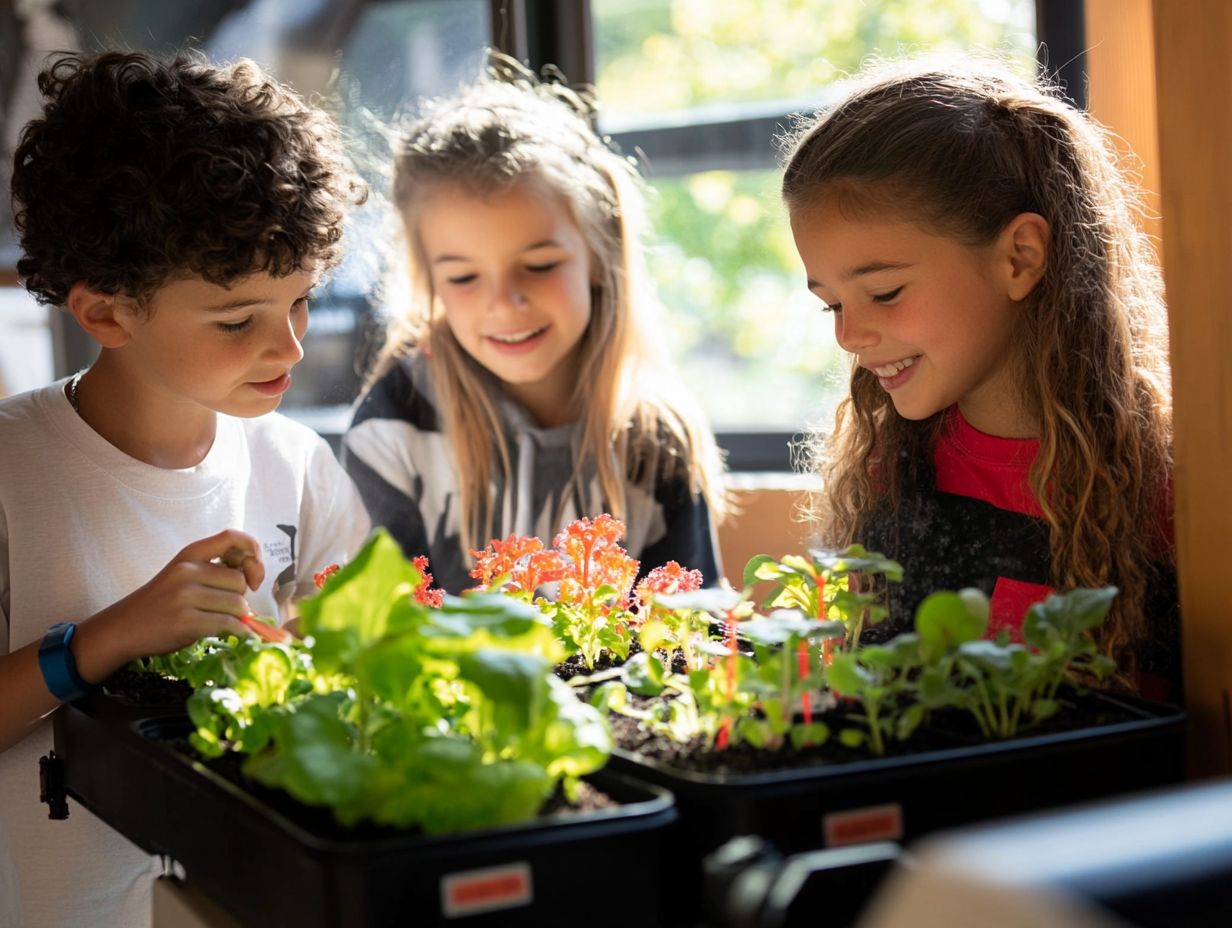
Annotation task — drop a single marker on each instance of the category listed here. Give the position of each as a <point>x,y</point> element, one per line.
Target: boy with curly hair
<point>182,212</point>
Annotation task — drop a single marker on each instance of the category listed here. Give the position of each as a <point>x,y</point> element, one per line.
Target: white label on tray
<point>855,826</point>
<point>489,890</point>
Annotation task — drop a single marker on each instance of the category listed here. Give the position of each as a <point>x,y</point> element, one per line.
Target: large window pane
<point>742,322</point>
<point>696,85</point>
<point>664,56</point>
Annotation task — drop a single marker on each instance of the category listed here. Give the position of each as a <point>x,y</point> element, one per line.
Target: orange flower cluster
<point>523,561</point>
<point>594,559</point>
<point>423,592</point>
<point>585,556</point>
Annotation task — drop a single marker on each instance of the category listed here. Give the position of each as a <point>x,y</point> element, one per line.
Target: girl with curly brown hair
<point>1008,424</point>
<point>181,211</point>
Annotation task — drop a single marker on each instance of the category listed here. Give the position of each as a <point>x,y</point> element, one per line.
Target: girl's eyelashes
<point>461,280</point>
<point>235,328</point>
<point>888,297</point>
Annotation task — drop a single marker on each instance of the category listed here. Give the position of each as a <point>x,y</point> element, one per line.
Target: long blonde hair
<point>506,127</point>
<point>962,150</point>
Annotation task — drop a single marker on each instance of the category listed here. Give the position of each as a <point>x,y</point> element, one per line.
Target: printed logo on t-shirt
<point>282,552</point>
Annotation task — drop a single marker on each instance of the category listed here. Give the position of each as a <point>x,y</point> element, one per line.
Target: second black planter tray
<point>264,862</point>
<point>901,797</point>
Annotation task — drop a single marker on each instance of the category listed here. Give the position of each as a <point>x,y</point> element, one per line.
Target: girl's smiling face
<point>934,319</point>
<point>512,272</point>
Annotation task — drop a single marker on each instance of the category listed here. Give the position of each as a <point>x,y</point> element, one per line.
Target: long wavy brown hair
<point>506,127</point>
<point>962,150</point>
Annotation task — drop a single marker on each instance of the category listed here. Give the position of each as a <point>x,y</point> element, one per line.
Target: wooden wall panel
<point>1193,66</point>
<point>767,520</point>
<point>1120,66</point>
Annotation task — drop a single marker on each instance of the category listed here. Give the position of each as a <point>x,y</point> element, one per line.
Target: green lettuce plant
<point>401,712</point>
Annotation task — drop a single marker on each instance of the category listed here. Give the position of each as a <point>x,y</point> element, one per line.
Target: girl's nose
<point>509,296</point>
<point>854,332</point>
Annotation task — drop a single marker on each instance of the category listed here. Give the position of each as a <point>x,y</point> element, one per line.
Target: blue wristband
<point>58,665</point>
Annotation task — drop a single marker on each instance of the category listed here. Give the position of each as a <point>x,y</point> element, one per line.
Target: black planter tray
<point>268,860</point>
<point>897,798</point>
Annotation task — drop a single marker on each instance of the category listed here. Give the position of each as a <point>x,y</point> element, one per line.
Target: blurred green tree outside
<point>751,340</point>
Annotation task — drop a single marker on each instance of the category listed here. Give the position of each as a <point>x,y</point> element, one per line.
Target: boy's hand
<point>195,595</point>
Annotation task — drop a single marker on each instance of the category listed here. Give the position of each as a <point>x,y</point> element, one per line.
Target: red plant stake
<point>729,626</point>
<point>267,632</point>
<point>806,698</point>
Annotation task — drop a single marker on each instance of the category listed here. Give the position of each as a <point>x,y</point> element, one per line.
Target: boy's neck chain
<point>72,393</point>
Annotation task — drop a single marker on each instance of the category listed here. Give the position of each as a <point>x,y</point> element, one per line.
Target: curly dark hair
<point>144,167</point>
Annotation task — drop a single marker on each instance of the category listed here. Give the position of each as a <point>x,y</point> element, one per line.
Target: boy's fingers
<point>220,601</point>
<point>218,577</point>
<point>254,572</point>
<point>233,558</point>
<point>237,550</point>
<point>229,625</point>
<point>216,546</point>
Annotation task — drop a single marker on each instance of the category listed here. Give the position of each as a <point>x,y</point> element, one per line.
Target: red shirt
<point>970,463</point>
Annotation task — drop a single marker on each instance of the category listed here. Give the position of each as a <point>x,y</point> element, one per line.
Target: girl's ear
<point>101,315</point>
<point>1023,247</point>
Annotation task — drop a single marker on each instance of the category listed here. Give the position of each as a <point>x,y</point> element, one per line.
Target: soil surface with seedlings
<point>140,688</point>
<point>946,729</point>
<point>575,666</point>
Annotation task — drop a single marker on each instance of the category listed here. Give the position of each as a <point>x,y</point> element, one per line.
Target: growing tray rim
<point>655,807</point>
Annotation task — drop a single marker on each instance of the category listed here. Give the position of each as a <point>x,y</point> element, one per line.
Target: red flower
<point>523,560</point>
<point>321,576</point>
<point>423,593</point>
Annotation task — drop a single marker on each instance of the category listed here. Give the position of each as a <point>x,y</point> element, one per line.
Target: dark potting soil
<point>945,729</point>
<point>141,688</point>
<point>574,666</point>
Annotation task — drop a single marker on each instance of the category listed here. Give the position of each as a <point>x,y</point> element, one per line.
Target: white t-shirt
<point>82,525</point>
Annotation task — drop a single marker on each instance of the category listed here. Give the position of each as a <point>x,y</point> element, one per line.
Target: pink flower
<point>670,578</point>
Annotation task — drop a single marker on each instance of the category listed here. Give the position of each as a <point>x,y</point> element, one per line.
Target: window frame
<point>561,33</point>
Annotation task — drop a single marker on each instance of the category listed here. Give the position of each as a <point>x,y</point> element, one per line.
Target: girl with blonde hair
<point>526,384</point>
